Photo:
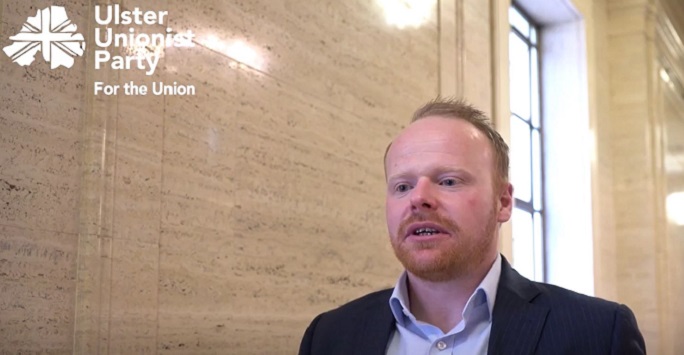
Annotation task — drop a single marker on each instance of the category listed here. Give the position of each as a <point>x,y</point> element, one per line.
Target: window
<point>526,146</point>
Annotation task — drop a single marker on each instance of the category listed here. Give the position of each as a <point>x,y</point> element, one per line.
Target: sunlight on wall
<point>242,52</point>
<point>407,13</point>
<point>675,208</point>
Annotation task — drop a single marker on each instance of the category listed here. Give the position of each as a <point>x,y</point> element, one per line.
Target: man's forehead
<point>439,135</point>
<point>435,129</point>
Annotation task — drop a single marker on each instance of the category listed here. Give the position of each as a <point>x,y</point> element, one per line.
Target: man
<point>447,195</point>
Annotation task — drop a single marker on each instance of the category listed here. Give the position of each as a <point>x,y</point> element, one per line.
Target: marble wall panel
<point>217,294</point>
<point>636,178</point>
<point>604,218</point>
<point>133,297</point>
<point>199,130</point>
<point>450,39</point>
<point>137,189</point>
<point>37,284</point>
<point>673,112</point>
<point>630,19</point>
<point>340,52</point>
<point>137,131</point>
<point>96,219</point>
<point>40,116</point>
<point>196,242</point>
<point>477,72</point>
<point>621,4</point>
<point>217,333</point>
<point>39,124</point>
<point>120,217</point>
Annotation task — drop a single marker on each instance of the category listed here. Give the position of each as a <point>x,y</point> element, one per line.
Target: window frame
<point>528,206</point>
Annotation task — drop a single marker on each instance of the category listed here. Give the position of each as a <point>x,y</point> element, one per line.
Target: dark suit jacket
<point>528,318</point>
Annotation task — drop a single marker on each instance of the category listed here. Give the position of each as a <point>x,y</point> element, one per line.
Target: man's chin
<point>428,265</point>
<point>432,274</point>
<point>423,255</point>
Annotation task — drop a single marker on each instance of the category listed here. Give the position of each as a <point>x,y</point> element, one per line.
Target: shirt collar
<point>399,301</point>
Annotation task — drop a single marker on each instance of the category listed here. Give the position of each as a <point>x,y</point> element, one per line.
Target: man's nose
<point>423,195</point>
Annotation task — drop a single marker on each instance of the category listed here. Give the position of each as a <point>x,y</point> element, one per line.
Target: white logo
<point>51,32</point>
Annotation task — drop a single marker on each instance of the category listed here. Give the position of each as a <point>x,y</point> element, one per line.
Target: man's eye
<point>402,188</point>
<point>448,182</point>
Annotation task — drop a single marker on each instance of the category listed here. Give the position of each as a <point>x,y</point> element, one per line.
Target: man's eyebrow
<point>398,176</point>
<point>436,171</point>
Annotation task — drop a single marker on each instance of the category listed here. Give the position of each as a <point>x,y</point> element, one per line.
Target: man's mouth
<point>425,229</point>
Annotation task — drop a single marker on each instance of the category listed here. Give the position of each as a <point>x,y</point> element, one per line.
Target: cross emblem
<point>50,27</point>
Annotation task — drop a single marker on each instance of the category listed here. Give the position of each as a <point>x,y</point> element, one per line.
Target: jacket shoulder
<point>587,324</point>
<point>556,296</point>
<point>340,330</point>
<point>359,306</point>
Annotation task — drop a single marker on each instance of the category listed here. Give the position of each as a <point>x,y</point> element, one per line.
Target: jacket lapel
<point>375,328</point>
<point>516,322</point>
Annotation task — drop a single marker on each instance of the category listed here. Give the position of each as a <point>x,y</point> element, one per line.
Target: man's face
<point>442,208</point>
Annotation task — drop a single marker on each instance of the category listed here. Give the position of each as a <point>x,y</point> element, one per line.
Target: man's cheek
<point>393,225</point>
<point>473,202</point>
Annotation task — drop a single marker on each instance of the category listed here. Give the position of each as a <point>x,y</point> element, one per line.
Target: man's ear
<point>505,202</point>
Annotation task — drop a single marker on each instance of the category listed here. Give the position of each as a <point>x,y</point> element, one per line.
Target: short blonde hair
<point>462,110</point>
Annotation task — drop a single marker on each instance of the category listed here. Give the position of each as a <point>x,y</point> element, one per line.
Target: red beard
<point>444,259</point>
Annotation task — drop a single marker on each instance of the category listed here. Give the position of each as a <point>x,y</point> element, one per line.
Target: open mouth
<point>425,230</point>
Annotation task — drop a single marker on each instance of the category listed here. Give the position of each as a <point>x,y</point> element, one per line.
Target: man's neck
<point>441,303</point>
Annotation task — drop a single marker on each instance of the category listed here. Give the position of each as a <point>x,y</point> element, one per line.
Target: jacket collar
<point>376,327</point>
<point>516,320</point>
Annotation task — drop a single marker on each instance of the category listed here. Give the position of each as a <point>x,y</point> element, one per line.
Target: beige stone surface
<point>634,182</point>
<point>134,297</point>
<point>339,52</point>
<point>477,63</point>
<point>37,283</point>
<point>197,224</point>
<point>648,256</point>
<point>605,253</point>
<point>673,151</point>
<point>139,129</point>
<point>39,194</point>
<point>39,176</point>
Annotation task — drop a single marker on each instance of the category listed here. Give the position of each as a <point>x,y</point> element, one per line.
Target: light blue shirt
<point>470,336</point>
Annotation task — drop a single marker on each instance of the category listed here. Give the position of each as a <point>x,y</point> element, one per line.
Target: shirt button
<point>441,345</point>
